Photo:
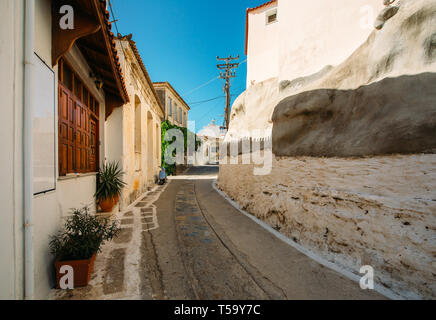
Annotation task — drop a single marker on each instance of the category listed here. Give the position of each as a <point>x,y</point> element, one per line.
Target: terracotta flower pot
<point>82,271</point>
<point>108,204</point>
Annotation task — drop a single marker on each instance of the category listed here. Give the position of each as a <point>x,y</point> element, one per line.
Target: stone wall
<point>377,211</point>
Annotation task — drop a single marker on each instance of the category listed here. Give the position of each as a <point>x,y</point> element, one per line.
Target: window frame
<point>270,13</point>
<point>83,134</point>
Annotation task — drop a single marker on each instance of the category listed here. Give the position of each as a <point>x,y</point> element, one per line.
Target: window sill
<point>71,176</point>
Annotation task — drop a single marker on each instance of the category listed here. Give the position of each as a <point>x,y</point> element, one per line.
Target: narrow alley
<point>195,245</point>
<point>252,150</point>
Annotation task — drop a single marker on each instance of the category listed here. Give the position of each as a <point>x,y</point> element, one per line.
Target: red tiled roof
<point>249,10</point>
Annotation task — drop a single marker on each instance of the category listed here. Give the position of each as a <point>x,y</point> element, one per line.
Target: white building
<point>210,137</point>
<point>288,39</point>
<point>64,83</point>
<point>133,136</point>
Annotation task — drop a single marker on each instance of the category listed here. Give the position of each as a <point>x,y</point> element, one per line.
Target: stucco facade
<point>134,131</point>
<point>291,47</point>
<point>176,109</point>
<point>70,190</point>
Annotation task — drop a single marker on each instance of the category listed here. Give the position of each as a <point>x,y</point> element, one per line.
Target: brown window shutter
<point>66,131</point>
<point>78,127</point>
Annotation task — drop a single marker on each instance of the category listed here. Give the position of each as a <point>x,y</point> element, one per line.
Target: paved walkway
<point>121,269</point>
<point>185,241</point>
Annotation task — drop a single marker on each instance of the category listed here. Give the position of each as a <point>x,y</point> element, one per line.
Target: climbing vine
<point>165,126</point>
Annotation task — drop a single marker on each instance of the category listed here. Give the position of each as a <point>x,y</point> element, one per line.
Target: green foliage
<point>82,236</point>
<point>165,126</point>
<point>109,182</point>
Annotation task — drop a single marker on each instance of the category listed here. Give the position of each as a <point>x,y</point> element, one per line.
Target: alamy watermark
<point>66,22</point>
<point>367,280</point>
<point>66,281</point>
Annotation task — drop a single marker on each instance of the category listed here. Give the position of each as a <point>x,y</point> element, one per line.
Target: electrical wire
<point>204,84</point>
<point>115,23</point>
<point>204,101</point>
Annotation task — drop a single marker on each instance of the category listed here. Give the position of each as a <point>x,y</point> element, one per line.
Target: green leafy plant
<point>109,181</point>
<point>165,126</point>
<point>82,235</point>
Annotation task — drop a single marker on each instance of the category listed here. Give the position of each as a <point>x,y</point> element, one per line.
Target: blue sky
<point>179,41</point>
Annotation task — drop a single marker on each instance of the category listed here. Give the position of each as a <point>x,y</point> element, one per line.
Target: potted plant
<point>109,186</point>
<point>77,244</point>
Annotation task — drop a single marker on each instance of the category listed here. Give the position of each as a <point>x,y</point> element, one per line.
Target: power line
<point>198,102</point>
<point>208,111</point>
<point>203,85</point>
<point>226,73</point>
<point>209,82</point>
<point>116,27</point>
<point>115,23</point>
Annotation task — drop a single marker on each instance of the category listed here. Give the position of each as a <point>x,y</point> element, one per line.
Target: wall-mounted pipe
<point>29,36</point>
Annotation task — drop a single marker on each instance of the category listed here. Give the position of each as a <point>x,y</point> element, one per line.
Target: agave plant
<point>109,182</point>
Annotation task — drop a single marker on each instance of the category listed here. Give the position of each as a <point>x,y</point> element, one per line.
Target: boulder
<point>381,100</point>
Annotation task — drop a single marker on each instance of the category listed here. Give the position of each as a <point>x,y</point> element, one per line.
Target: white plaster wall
<point>49,208</point>
<point>114,136</point>
<point>314,34</point>
<point>11,91</point>
<point>47,219</point>
<point>308,36</point>
<point>46,214</point>
<point>263,45</point>
<point>76,192</point>
<point>129,165</point>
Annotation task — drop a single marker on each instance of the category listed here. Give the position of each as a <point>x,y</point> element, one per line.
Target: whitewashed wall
<point>51,207</point>
<point>308,36</point>
<point>263,45</point>
<point>11,91</point>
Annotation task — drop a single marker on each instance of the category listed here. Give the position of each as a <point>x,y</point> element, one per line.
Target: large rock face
<point>252,111</point>
<point>405,46</point>
<point>378,208</point>
<point>395,115</point>
<point>382,100</point>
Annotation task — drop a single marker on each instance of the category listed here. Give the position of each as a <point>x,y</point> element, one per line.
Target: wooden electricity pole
<point>226,73</point>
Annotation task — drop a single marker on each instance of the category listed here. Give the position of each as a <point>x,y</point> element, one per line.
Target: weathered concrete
<point>377,211</point>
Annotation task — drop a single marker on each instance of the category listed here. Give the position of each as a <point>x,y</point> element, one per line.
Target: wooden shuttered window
<point>78,125</point>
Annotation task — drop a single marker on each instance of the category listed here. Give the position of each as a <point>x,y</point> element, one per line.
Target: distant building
<point>176,109</point>
<point>210,136</point>
<point>291,39</point>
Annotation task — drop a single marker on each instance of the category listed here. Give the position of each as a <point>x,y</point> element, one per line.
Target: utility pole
<point>226,73</point>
